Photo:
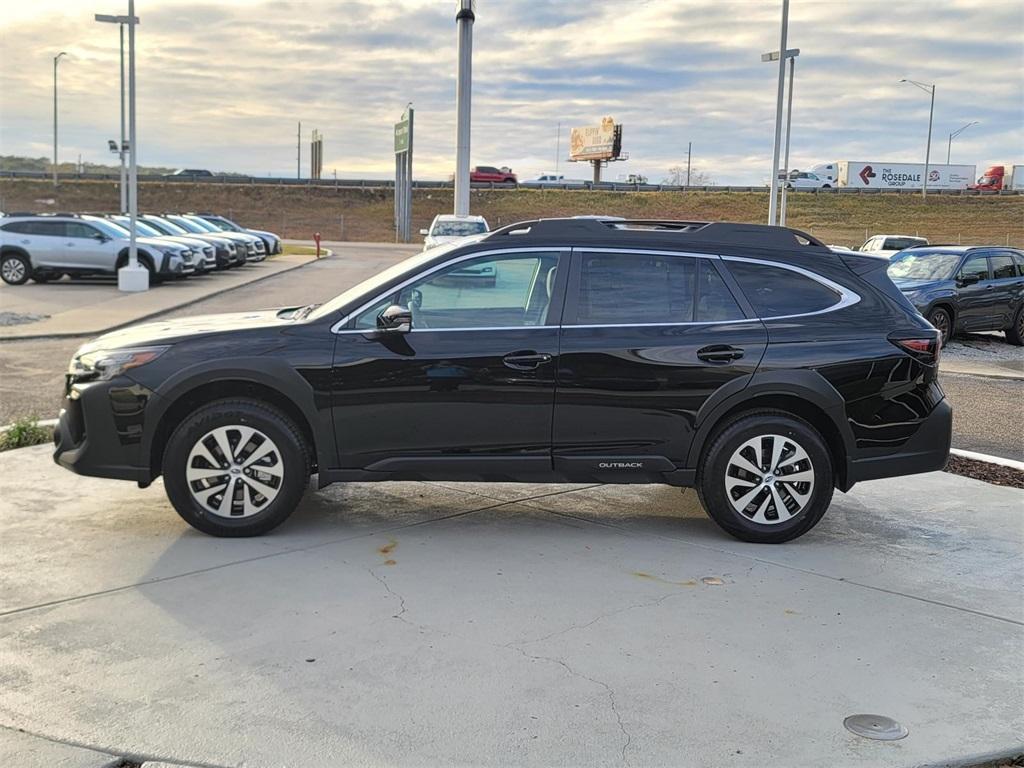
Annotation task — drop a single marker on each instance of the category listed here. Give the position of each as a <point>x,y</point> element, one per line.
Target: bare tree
<point>677,177</point>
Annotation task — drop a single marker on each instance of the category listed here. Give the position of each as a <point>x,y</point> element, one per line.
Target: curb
<point>143,318</point>
<point>1008,376</point>
<point>988,459</point>
<point>40,423</point>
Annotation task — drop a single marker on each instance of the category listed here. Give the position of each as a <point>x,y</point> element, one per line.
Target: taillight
<point>924,348</point>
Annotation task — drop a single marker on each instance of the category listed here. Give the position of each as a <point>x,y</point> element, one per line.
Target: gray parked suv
<point>48,246</point>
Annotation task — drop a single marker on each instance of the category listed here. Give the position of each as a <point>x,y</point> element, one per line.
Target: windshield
<point>141,227</point>
<point>372,284</point>
<point>899,243</point>
<point>108,228</point>
<point>458,228</point>
<point>187,225</point>
<point>918,265</point>
<point>167,227</point>
<point>225,225</point>
<point>203,224</point>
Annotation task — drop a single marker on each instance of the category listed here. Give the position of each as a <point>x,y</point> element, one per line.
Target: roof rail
<point>721,232</point>
<point>43,213</point>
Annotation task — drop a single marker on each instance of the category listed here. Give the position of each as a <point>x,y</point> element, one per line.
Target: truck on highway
<point>878,174</point>
<point>998,177</point>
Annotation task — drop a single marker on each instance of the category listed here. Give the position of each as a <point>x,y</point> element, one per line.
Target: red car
<point>490,173</point>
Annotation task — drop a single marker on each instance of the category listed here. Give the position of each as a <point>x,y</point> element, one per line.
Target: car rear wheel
<point>236,468</point>
<point>14,268</point>
<point>943,323</point>
<point>767,477</point>
<point>1015,333</point>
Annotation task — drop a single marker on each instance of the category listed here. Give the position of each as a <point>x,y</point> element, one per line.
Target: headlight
<point>104,364</point>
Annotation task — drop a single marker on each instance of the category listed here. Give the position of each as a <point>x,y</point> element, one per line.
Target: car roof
<point>458,217</point>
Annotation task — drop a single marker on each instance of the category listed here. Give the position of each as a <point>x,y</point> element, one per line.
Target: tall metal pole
<point>133,277</point>
<point>789,123</point>
<point>120,151</point>
<point>298,151</point>
<point>928,149</point>
<point>464,19</point>
<point>953,135</point>
<point>689,151</point>
<point>772,202</point>
<point>56,59</point>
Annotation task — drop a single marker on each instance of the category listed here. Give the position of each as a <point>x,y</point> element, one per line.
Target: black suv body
<point>964,289</point>
<point>749,361</point>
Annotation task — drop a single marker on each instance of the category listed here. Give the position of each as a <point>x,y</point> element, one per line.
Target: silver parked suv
<point>48,246</point>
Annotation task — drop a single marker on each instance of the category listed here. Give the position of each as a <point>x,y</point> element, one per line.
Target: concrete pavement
<point>429,624</point>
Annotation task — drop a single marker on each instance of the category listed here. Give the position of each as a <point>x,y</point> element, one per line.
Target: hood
<point>165,331</point>
<point>262,233</point>
<point>908,286</point>
<point>238,237</point>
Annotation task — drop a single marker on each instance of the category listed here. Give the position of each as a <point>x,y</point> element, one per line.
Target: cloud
<point>223,85</point>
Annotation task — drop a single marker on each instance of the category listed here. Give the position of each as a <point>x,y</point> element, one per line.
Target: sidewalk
<point>102,308</point>
<point>1005,369</point>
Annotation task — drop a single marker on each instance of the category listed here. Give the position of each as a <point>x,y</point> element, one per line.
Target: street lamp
<point>791,54</point>
<point>120,21</point>
<point>56,59</point>
<point>954,134</point>
<point>931,112</point>
<point>772,217</point>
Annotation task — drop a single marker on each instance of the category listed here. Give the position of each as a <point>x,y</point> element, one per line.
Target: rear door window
<point>779,292</point>
<point>50,228</point>
<point>1002,266</point>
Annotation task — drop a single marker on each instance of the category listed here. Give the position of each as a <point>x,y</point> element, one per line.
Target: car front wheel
<point>767,477</point>
<point>236,468</point>
<point>14,269</point>
<point>943,323</point>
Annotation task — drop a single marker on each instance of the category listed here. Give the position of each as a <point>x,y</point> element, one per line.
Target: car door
<point>469,389</point>
<point>49,240</point>
<point>89,247</point>
<point>647,338</point>
<point>1007,287</point>
<point>974,292</point>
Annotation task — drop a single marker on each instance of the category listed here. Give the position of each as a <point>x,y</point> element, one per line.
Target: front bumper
<point>926,451</point>
<point>99,431</point>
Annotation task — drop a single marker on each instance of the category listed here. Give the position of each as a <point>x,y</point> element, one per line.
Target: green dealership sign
<point>402,135</point>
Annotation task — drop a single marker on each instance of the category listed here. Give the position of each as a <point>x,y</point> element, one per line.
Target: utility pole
<point>464,19</point>
<point>930,89</point>
<point>56,60</point>
<point>124,170</point>
<point>133,277</point>
<point>558,146</point>
<point>772,202</point>
<point>689,151</point>
<point>953,135</point>
<point>789,124</point>
<point>298,152</point>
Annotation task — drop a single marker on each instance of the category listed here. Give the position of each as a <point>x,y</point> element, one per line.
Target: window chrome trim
<point>847,298</point>
<point>339,327</point>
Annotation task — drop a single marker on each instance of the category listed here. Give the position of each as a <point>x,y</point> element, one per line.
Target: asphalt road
<point>988,412</point>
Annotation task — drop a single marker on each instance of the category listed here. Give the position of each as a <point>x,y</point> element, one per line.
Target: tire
<point>723,483</point>
<point>1015,333</point>
<point>192,480</point>
<point>15,268</point>
<point>940,318</point>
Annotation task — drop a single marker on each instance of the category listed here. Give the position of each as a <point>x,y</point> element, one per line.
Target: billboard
<point>882,175</point>
<point>596,142</point>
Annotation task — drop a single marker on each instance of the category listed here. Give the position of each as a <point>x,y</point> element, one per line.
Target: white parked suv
<point>48,246</point>
<point>889,245</point>
<point>447,227</point>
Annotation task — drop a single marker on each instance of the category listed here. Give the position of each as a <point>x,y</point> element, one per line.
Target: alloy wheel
<point>234,471</point>
<point>941,322</point>
<point>769,479</point>
<point>13,270</point>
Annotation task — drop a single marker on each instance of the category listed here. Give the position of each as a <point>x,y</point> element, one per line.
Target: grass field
<point>367,214</point>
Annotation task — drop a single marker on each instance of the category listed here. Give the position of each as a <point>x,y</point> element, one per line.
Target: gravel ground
<point>20,318</point>
<point>983,348</point>
<point>982,470</point>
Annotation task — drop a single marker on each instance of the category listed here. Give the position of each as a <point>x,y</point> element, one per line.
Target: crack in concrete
<point>628,737</point>
<point>609,614</point>
<point>401,600</point>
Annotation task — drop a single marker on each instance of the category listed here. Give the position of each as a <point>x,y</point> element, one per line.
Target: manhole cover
<point>877,727</point>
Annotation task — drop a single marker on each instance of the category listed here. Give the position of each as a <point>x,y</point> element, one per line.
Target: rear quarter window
<point>777,292</point>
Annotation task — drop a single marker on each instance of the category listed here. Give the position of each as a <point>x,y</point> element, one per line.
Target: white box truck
<point>876,174</point>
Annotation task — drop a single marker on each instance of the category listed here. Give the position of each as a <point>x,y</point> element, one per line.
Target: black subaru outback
<point>749,361</point>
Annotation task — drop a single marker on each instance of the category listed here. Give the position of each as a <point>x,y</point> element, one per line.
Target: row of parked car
<point>47,246</point>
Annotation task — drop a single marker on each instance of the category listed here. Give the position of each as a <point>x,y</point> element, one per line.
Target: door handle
<point>719,353</point>
<point>525,360</point>
<point>990,287</point>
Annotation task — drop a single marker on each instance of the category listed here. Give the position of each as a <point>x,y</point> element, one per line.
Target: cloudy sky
<point>222,84</point>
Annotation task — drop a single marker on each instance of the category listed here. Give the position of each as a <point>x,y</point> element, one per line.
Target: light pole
<point>953,135</point>
<point>120,21</point>
<point>56,59</point>
<point>772,202</point>
<point>464,18</point>
<point>689,151</point>
<point>931,113</point>
<point>791,54</point>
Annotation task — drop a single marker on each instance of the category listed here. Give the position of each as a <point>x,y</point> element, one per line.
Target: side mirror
<point>424,232</point>
<point>396,318</point>
<point>969,279</point>
<point>100,236</point>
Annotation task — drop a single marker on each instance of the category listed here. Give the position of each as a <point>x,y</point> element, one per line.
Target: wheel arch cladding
<point>803,393</point>
<point>183,396</point>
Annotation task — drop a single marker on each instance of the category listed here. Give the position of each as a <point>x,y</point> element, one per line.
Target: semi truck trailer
<point>876,174</point>
<point>997,177</point>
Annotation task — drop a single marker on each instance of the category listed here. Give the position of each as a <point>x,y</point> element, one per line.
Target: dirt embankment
<point>366,214</point>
